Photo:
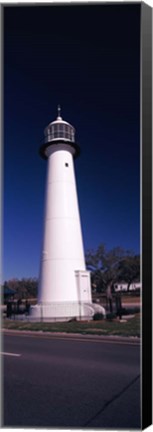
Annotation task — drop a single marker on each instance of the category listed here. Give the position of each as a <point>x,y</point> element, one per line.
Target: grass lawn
<point>104,327</point>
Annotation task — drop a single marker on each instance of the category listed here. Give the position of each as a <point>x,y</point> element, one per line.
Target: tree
<point>104,265</point>
<point>129,269</point>
<point>109,267</point>
<point>25,287</point>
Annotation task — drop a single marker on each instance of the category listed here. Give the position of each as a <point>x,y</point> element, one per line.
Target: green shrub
<point>98,316</point>
<point>130,311</point>
<point>110,316</point>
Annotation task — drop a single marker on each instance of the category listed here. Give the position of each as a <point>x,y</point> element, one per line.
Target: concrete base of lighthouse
<point>65,311</point>
<point>81,309</point>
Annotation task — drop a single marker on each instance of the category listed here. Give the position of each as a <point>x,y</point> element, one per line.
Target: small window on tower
<point>66,164</point>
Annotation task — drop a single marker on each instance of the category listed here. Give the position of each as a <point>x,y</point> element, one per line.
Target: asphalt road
<point>53,382</point>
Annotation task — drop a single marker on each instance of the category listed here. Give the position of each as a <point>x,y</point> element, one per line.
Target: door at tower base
<point>83,285</point>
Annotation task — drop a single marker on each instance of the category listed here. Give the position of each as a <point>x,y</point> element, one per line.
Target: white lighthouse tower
<point>64,289</point>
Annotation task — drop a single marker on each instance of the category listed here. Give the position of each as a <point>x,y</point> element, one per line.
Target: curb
<point>59,335</point>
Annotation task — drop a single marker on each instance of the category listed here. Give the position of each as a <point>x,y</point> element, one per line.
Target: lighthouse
<point>64,289</point>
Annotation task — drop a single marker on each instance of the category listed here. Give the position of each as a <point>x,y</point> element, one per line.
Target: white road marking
<point>11,354</point>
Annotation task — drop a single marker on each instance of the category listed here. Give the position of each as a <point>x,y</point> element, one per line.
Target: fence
<point>65,311</point>
<point>49,312</point>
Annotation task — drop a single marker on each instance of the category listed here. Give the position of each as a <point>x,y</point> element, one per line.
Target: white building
<point>124,286</point>
<point>64,283</point>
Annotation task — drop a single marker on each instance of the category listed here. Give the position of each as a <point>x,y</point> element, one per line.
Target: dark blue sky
<point>87,58</point>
